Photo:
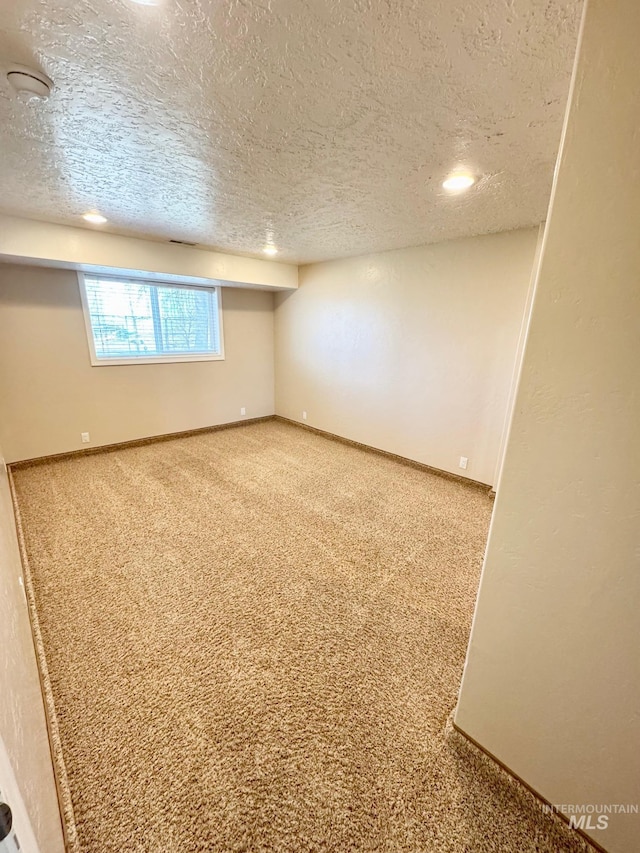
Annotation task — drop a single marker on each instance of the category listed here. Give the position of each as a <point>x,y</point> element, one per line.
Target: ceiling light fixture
<point>270,250</point>
<point>458,182</point>
<point>30,85</point>
<point>94,218</point>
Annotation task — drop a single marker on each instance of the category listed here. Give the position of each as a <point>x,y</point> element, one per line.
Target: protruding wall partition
<point>552,680</point>
<point>26,775</point>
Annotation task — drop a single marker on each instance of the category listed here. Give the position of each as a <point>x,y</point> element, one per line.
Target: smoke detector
<point>31,85</point>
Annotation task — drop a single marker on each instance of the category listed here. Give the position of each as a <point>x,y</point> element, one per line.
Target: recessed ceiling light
<point>458,182</point>
<point>146,2</point>
<point>270,250</point>
<point>94,218</point>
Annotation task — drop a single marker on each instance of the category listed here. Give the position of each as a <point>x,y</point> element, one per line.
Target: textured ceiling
<point>325,125</point>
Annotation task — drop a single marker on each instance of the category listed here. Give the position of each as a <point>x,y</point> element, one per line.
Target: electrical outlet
<point>463,462</point>
<point>85,437</point>
<point>243,411</point>
<point>304,416</point>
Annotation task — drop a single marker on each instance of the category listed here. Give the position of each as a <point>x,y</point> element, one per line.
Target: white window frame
<point>161,359</point>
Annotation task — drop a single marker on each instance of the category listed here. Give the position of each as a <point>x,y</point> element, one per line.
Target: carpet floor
<point>252,640</point>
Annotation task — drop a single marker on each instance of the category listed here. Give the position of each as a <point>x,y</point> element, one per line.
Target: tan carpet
<point>254,640</point>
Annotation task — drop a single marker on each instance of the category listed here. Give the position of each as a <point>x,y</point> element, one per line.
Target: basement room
<point>319,465</point>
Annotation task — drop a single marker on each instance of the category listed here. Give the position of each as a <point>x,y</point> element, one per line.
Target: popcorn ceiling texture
<point>327,126</point>
<point>254,641</point>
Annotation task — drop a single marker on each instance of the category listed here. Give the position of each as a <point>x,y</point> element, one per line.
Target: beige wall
<point>410,351</point>
<point>50,393</point>
<point>552,680</point>
<point>23,735</point>
<point>27,241</point>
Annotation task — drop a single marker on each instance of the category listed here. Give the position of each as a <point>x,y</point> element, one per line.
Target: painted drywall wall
<point>410,351</point>
<point>50,393</point>
<point>552,680</point>
<point>21,838</point>
<point>94,250</point>
<point>517,363</point>
<point>26,775</point>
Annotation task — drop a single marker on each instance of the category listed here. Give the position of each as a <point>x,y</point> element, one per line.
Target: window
<point>137,322</point>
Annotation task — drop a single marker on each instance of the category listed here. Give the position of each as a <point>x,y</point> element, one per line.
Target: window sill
<point>173,359</point>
